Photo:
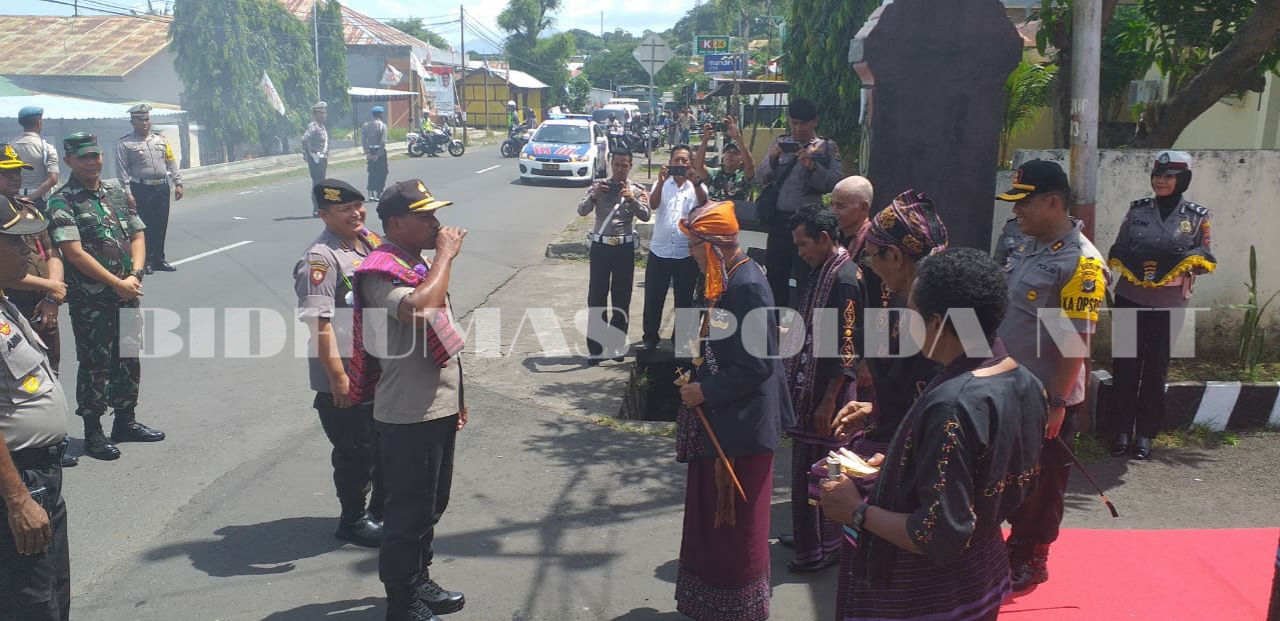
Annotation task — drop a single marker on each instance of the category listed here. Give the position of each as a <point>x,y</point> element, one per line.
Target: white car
<point>564,147</point>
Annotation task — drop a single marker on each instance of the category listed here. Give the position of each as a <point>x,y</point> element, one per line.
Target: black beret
<point>335,192</point>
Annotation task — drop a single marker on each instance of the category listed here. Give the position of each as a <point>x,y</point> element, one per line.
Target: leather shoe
<point>147,269</point>
<point>436,598</point>
<point>363,531</point>
<point>1142,449</point>
<point>164,266</point>
<point>1034,570</point>
<point>415,610</point>
<point>1120,446</point>
<point>133,431</point>
<point>70,461</point>
<point>826,561</point>
<point>97,446</point>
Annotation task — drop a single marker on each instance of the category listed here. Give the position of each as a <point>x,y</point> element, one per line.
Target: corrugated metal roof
<point>358,28</point>
<point>518,79</point>
<point>97,46</point>
<point>75,108</point>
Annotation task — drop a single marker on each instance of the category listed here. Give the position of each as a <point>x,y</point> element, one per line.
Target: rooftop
<point>102,46</point>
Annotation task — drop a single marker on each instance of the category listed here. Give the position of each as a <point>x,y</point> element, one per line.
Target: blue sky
<point>442,15</point>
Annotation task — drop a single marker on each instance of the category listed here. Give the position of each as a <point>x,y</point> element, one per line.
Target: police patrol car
<point>566,146</point>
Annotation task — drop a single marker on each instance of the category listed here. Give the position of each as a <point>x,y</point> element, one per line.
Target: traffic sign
<point>711,44</point>
<point>721,63</point>
<point>653,54</point>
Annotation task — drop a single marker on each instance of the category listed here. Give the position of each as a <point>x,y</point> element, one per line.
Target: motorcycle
<point>434,143</point>
<point>517,137</point>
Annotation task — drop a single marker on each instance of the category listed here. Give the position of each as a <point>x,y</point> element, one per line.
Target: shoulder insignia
<point>318,271</point>
<point>1198,209</point>
<point>1057,246</point>
<point>1142,202</point>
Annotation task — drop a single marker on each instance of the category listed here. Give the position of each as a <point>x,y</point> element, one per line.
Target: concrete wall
<point>1241,190</point>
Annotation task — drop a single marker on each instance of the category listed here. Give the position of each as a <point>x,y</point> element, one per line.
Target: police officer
<point>322,280</point>
<point>1057,282</point>
<point>39,294</point>
<point>35,567</point>
<point>145,166</point>
<point>101,239</point>
<point>373,137</point>
<point>41,174</point>
<point>1162,245</point>
<point>315,149</point>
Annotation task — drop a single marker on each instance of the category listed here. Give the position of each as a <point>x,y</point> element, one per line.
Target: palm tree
<point>1026,94</point>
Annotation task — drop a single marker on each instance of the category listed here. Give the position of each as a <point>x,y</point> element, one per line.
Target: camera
<point>789,147</point>
<point>720,126</point>
<point>612,187</point>
<point>678,171</point>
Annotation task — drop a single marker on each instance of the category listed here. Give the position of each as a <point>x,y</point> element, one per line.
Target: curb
<point>1215,405</point>
<point>264,165</point>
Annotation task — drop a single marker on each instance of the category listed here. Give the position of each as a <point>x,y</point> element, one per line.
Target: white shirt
<point>677,201</point>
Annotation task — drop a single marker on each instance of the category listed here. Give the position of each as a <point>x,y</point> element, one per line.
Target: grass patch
<point>660,430</point>
<point>1197,437</point>
<point>1092,447</point>
<point>1218,369</point>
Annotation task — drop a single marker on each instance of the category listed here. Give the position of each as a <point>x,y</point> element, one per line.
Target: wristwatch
<point>859,517</point>
<point>137,274</point>
<point>1057,401</point>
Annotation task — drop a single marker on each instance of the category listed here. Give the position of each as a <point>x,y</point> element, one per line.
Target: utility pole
<point>462,84</point>
<point>315,30</point>
<point>1086,59</point>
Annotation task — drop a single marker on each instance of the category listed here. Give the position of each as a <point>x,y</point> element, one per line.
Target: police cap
<point>404,197</point>
<point>332,192</point>
<point>9,159</point>
<point>1171,163</point>
<point>1034,178</point>
<point>140,111</point>
<point>16,221</point>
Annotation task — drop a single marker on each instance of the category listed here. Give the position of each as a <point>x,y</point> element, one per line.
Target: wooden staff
<point>682,378</point>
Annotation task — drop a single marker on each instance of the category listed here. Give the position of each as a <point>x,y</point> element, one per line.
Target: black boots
<point>440,601</point>
<point>1120,446</point>
<point>1142,448</point>
<point>95,442</point>
<point>1029,564</point>
<point>360,529</point>
<point>403,605</point>
<point>126,429</point>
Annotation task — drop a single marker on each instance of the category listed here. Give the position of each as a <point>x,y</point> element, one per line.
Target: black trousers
<point>153,208</point>
<point>1038,518</point>
<point>356,471</point>
<point>659,275</point>
<point>782,261</point>
<point>378,172</point>
<point>613,272</point>
<point>318,171</point>
<point>417,466</point>
<point>37,587</point>
<point>1138,387</point>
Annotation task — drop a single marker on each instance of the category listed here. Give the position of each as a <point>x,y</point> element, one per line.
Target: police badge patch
<point>318,271</point>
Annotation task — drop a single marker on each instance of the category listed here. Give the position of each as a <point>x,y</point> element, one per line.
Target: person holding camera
<point>616,203</point>
<point>733,179</point>
<point>676,192</point>
<point>801,167</point>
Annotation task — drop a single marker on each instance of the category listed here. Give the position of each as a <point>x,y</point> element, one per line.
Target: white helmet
<point>511,104</point>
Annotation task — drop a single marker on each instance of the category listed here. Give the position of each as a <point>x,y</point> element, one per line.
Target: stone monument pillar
<point>935,72</point>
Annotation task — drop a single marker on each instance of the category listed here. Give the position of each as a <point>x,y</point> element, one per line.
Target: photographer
<point>733,179</point>
<point>673,196</point>
<point>616,203</point>
<point>801,167</point>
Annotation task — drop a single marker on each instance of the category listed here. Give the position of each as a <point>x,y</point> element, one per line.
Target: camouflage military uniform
<point>103,223</point>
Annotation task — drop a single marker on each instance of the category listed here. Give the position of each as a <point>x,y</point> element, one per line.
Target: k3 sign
<point>721,63</point>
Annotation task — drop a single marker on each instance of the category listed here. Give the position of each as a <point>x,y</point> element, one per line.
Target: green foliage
<point>1026,92</point>
<point>616,66</point>
<point>526,19</point>
<point>414,27</point>
<point>333,61</point>
<point>1252,334</point>
<point>816,63</point>
<point>222,48</point>
<point>579,93</point>
<point>1189,33</point>
<point>542,57</point>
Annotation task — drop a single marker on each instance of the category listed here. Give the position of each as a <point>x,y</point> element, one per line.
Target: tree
<point>1026,93</point>
<point>334,84</point>
<point>1206,50</point>
<point>816,61</point>
<point>542,57</point>
<point>579,94</point>
<point>587,44</point>
<point>526,19</point>
<point>414,27</point>
<point>221,51</point>
<point>615,66</point>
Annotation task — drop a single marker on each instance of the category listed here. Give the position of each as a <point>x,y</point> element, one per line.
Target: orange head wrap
<point>716,224</point>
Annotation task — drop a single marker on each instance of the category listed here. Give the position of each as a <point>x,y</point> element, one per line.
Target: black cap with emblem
<point>403,197</point>
<point>332,192</point>
<point>9,159</point>
<point>15,220</point>
<point>1034,178</point>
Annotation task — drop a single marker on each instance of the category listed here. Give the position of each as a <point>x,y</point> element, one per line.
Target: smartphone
<point>612,188</point>
<point>789,147</point>
<point>677,171</point>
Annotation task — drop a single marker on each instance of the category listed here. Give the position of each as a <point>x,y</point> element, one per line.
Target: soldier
<point>315,149</point>
<point>35,567</point>
<point>1162,245</point>
<point>322,279</point>
<point>101,238</point>
<point>145,166</point>
<point>373,137</point>
<point>41,174</point>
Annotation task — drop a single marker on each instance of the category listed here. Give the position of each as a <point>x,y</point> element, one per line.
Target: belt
<point>39,457</point>
<point>611,240</point>
<point>160,181</point>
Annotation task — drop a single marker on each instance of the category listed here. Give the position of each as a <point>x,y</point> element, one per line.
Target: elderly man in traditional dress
<point>732,418</point>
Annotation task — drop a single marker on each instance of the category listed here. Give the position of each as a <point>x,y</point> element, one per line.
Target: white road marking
<point>238,218</point>
<point>211,252</point>
<point>488,169</point>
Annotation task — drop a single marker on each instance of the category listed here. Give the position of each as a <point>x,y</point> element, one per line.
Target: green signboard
<point>711,45</point>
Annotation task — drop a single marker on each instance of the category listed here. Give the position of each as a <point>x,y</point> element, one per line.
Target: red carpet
<point>1155,575</point>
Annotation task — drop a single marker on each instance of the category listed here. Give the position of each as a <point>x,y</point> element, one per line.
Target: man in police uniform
<point>145,166</point>
<point>373,137</point>
<point>41,175</point>
<point>315,149</point>
<point>1057,283</point>
<point>322,280</point>
<point>102,242</point>
<point>35,567</point>
<point>39,294</point>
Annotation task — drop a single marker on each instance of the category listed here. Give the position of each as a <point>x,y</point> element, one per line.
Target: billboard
<point>704,45</point>
<point>721,63</point>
